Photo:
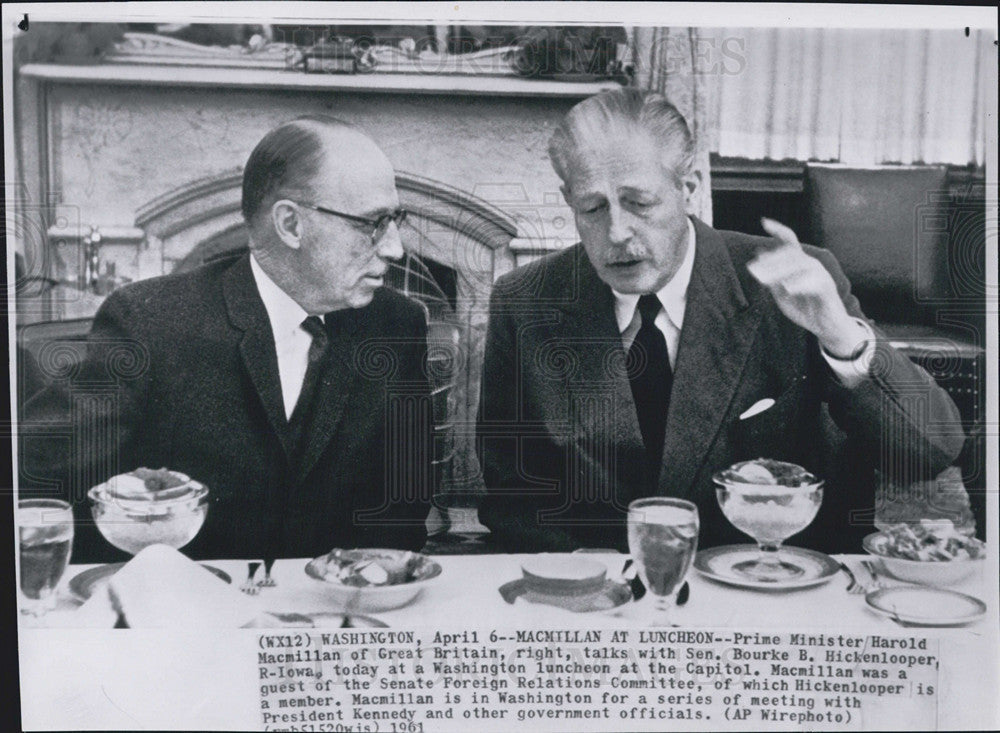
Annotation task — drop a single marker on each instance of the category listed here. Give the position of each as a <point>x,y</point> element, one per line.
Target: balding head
<point>312,190</point>
<point>289,159</point>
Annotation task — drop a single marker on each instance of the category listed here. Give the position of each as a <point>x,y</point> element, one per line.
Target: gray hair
<point>621,111</point>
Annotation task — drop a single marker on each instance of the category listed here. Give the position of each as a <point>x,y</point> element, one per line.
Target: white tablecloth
<point>188,678</point>
<point>467,593</point>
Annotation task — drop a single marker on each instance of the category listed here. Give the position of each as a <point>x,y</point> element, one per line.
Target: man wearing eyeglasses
<point>288,380</point>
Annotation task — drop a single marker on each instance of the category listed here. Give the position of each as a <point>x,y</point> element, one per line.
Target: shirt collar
<point>285,314</point>
<point>672,296</point>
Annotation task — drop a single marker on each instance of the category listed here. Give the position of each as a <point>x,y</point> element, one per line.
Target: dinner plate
<point>926,606</point>
<point>82,585</point>
<point>717,564</point>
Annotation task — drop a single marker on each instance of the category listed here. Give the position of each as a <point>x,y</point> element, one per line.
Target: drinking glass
<point>45,531</point>
<point>662,538</point>
<point>770,514</point>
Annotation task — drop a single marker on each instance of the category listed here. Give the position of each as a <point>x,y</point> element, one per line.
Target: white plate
<point>83,584</point>
<point>717,563</point>
<point>926,606</point>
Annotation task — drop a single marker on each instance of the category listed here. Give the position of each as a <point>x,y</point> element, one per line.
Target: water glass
<point>662,538</point>
<point>45,532</point>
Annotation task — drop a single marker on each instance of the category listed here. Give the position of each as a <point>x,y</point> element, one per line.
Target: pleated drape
<point>862,97</point>
<point>666,61</point>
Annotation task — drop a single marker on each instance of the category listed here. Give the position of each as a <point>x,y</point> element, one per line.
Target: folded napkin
<point>161,588</point>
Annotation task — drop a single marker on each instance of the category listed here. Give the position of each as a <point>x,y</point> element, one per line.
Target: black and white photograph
<point>555,366</point>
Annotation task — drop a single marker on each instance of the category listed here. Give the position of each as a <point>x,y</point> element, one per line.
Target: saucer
<point>923,606</point>
<point>609,596</point>
<point>82,585</point>
<point>717,564</point>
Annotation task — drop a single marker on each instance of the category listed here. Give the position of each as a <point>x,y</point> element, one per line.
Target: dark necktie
<point>651,378</point>
<point>317,350</point>
<point>298,424</point>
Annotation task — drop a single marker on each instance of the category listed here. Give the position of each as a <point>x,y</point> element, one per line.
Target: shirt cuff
<point>852,372</point>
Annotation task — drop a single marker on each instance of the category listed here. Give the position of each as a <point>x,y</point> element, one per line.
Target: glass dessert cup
<point>132,524</point>
<point>45,538</point>
<point>662,539</point>
<point>770,514</point>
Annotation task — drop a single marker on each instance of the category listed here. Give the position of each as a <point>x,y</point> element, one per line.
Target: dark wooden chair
<point>889,229</point>
<point>893,231</point>
<point>48,351</point>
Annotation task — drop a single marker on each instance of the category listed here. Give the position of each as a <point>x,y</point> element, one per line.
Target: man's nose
<point>619,229</point>
<point>390,246</point>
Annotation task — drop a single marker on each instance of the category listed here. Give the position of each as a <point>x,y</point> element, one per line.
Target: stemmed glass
<point>662,538</point>
<point>45,530</point>
<point>770,513</point>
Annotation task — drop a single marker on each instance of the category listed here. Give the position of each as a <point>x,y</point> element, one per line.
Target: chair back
<point>888,228</point>
<point>49,351</point>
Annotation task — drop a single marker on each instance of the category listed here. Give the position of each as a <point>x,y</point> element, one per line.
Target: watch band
<point>858,352</point>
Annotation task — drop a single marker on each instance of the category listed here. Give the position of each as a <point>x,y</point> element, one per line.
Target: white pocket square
<point>758,407</point>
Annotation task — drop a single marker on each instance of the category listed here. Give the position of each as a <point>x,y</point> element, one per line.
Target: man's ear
<point>286,218</point>
<point>690,184</point>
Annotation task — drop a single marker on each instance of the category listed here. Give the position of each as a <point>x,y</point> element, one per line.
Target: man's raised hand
<point>805,292</point>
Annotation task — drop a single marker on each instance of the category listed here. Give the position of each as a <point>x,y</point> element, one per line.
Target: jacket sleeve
<point>510,507</point>
<point>898,409</point>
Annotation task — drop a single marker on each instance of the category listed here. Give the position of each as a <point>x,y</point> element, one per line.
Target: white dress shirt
<point>291,341</point>
<point>673,298</point>
<point>670,321</point>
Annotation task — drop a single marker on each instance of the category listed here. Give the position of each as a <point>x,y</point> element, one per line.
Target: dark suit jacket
<point>181,372</point>
<point>560,444</point>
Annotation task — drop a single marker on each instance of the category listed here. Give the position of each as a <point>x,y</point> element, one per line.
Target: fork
<point>268,581</point>
<point>854,588</point>
<point>249,587</point>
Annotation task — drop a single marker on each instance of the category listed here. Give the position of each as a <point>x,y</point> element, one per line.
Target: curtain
<point>862,97</point>
<point>665,60</point>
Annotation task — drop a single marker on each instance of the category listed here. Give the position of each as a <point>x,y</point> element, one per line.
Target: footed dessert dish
<point>146,507</point>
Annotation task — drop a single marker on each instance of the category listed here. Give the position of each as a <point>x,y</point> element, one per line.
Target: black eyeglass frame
<point>379,226</point>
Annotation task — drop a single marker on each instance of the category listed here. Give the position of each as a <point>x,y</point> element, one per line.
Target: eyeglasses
<point>378,226</point>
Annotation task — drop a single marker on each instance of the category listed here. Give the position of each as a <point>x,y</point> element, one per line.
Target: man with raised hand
<point>658,351</point>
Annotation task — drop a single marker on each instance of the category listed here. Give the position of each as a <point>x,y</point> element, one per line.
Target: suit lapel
<point>337,380</point>
<point>600,393</point>
<point>719,328</point>
<point>247,313</point>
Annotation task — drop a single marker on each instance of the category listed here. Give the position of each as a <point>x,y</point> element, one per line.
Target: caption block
<point>397,680</point>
